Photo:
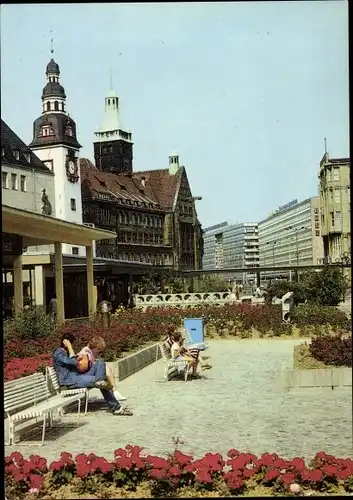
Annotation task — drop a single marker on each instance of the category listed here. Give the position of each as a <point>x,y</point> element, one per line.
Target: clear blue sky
<point>246,92</point>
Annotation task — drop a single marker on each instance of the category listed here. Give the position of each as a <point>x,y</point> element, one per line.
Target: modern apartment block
<point>232,246</point>
<point>291,235</point>
<point>335,205</point>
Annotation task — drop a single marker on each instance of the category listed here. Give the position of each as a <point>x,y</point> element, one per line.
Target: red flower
<point>157,473</point>
<point>157,462</point>
<point>203,476</point>
<point>106,467</point>
<point>181,458</point>
<point>287,478</point>
<point>234,482</point>
<point>329,470</point>
<point>175,471</point>
<point>233,453</point>
<point>248,473</point>
<point>124,463</point>
<point>36,481</point>
<point>66,458</point>
<point>272,475</point>
<point>56,466</point>
<point>316,475</point>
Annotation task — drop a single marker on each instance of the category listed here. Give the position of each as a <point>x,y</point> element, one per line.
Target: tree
<point>281,287</point>
<point>325,287</point>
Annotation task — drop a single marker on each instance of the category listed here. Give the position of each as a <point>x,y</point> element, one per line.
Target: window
<point>48,106</point>
<point>316,211</point>
<point>332,219</point>
<point>16,154</point>
<point>337,195</point>
<point>2,152</point>
<point>23,183</point>
<point>329,175</point>
<point>338,218</point>
<point>317,233</point>
<point>27,156</point>
<point>75,250</point>
<point>73,204</point>
<point>14,182</point>
<point>331,196</point>
<point>56,106</point>
<point>336,173</point>
<point>5,180</point>
<point>62,106</point>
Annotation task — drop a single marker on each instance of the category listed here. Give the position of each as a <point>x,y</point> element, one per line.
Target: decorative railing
<point>182,299</point>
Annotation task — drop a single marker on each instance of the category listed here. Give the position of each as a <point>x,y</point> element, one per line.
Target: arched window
<point>56,106</point>
<point>108,102</point>
<point>48,106</point>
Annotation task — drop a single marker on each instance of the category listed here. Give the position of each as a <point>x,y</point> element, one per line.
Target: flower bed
<point>132,328</point>
<point>132,473</point>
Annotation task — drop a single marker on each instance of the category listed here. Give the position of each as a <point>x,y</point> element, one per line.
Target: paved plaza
<point>240,403</point>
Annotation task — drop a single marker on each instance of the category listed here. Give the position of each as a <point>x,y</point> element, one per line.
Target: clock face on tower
<point>71,166</point>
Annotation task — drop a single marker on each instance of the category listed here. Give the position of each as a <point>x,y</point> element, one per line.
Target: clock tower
<point>55,143</point>
<point>112,144</point>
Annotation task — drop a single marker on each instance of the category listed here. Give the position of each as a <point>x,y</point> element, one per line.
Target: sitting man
<point>65,365</point>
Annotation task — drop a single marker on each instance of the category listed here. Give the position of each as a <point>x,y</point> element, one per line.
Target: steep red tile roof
<point>164,185</point>
<point>119,187</point>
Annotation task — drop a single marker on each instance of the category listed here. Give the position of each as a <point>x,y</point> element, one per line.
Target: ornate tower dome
<point>54,126</point>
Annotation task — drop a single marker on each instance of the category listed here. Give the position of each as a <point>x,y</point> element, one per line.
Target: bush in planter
<point>336,351</point>
<point>325,287</point>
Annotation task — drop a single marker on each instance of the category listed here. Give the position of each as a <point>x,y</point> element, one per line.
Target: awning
<point>38,229</point>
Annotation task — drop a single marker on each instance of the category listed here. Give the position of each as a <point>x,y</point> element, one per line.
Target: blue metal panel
<point>195,327</point>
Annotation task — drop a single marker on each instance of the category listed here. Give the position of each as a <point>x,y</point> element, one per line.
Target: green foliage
<point>149,284</point>
<point>281,287</point>
<point>313,314</point>
<point>325,287</point>
<point>211,284</point>
<point>30,324</point>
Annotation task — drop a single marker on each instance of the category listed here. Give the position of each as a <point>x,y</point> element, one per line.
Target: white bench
<point>52,376</point>
<point>28,397</point>
<point>172,366</point>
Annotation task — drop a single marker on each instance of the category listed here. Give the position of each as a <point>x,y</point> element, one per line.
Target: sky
<point>244,92</point>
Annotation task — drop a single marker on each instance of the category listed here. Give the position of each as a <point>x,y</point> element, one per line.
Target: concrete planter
<point>125,367</point>
<point>325,377</point>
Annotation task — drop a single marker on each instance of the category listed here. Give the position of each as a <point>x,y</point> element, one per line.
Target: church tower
<point>112,144</point>
<point>55,143</point>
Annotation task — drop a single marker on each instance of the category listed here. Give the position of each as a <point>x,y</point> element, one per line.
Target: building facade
<point>152,212</point>
<point>335,206</point>
<point>24,176</point>
<point>232,246</point>
<point>291,235</point>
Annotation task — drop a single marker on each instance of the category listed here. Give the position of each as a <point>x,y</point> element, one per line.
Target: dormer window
<point>28,157</point>
<point>16,154</point>
<point>46,131</point>
<point>2,152</point>
<point>69,131</point>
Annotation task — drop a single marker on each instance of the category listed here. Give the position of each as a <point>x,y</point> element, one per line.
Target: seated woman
<point>65,365</point>
<point>93,350</point>
<point>178,351</point>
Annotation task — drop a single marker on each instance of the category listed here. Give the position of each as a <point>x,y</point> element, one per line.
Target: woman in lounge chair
<point>178,351</point>
<point>65,364</point>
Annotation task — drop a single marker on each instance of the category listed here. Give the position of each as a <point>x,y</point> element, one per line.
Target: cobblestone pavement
<point>240,404</point>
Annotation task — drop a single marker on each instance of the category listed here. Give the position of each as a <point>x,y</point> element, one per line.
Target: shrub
<point>281,287</point>
<point>178,475</point>
<point>30,324</point>
<point>311,314</point>
<point>336,351</point>
<point>325,287</point>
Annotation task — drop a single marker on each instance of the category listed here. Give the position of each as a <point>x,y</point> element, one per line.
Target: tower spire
<point>52,42</point>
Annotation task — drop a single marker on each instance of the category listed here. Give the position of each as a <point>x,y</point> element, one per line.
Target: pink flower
<point>271,475</point>
<point>203,477</point>
<point>316,475</point>
<point>36,481</point>
<point>329,470</point>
